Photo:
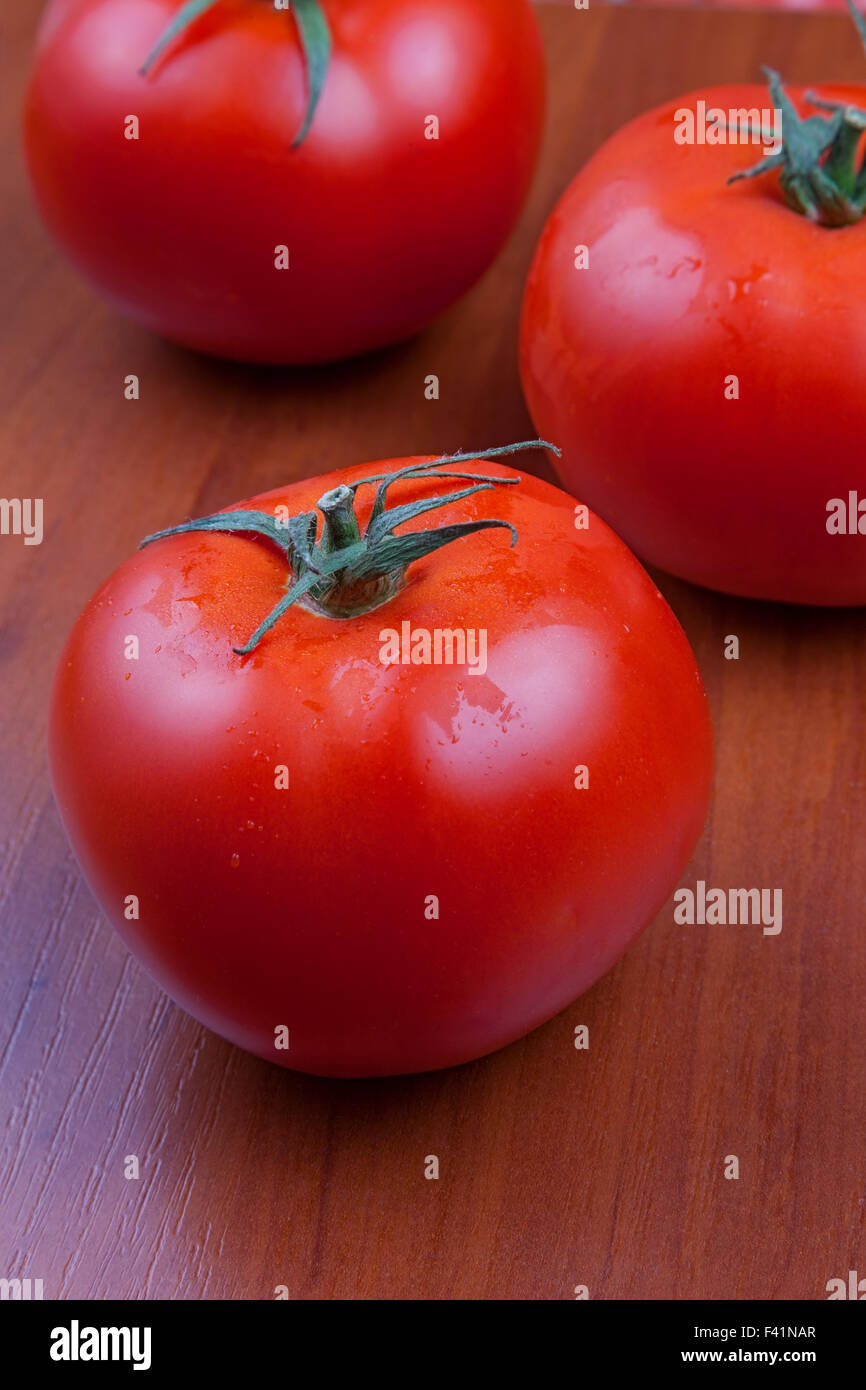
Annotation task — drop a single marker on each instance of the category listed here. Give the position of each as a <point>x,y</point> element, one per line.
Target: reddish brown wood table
<point>559,1167</point>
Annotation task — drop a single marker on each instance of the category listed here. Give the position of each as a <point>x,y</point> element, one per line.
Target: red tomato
<point>384,227</point>
<point>627,364</point>
<point>431,884</point>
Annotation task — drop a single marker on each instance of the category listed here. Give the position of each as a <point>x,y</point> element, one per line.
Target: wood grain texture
<point>558,1167</point>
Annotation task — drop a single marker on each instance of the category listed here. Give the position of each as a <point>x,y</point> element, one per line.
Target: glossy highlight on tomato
<point>383,227</point>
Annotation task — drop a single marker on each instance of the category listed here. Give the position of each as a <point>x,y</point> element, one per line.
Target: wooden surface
<point>558,1167</point>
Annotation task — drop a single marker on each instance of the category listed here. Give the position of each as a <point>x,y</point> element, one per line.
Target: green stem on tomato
<point>315,37</point>
<point>340,530</point>
<point>345,574</point>
<point>313,32</point>
<point>821,171</point>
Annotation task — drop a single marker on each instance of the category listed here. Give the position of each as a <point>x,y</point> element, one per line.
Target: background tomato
<point>309,907</point>
<point>385,228</point>
<point>624,365</point>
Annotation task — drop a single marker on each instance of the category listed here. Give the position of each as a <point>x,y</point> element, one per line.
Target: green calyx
<point>344,574</point>
<point>313,32</point>
<point>821,172</point>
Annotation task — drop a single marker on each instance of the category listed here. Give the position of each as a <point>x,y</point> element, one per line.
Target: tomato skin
<point>306,907</point>
<point>385,228</point>
<point>624,364</point>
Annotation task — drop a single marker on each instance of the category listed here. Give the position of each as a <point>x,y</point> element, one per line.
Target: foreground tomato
<point>342,835</point>
<point>706,374</point>
<point>384,226</point>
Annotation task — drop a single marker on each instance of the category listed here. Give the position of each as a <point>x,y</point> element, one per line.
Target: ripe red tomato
<point>431,883</point>
<point>384,227</point>
<point>627,364</point>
